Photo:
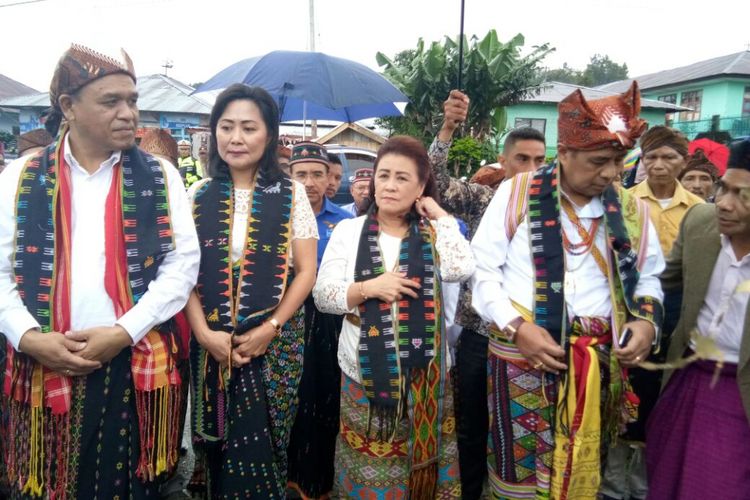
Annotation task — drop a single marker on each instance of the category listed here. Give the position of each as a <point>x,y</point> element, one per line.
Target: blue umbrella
<point>313,85</point>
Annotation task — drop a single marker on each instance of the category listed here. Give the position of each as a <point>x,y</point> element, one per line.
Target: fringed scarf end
<point>423,482</point>
<point>387,418</point>
<point>159,422</point>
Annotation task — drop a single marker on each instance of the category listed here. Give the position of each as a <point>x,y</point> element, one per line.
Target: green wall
<point>721,96</point>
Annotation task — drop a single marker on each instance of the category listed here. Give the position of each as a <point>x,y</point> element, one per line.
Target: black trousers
<point>472,415</point>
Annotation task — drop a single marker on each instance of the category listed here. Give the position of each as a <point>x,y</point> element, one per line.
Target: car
<point>352,159</point>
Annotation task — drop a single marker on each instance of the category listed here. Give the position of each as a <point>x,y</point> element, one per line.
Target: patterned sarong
<point>367,467</point>
<point>522,407</point>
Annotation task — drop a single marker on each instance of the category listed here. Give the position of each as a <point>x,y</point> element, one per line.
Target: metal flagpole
<point>314,123</point>
<point>461,49</point>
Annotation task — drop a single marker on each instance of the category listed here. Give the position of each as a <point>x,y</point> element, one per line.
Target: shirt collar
<point>680,197</point>
<point>726,247</point>
<point>591,210</point>
<point>74,165</point>
<point>328,206</point>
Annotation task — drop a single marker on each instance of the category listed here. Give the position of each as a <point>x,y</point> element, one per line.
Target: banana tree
<point>496,74</point>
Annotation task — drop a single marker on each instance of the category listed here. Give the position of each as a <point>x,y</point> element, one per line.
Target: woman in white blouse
<point>245,312</point>
<point>383,271</point>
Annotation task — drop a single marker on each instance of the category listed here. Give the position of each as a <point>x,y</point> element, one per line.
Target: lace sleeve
<point>333,280</point>
<point>304,226</point>
<point>456,258</point>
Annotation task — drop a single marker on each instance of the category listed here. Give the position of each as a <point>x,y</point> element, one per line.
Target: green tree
<point>465,152</point>
<point>8,139</point>
<point>566,74</point>
<point>495,75</point>
<point>601,70</point>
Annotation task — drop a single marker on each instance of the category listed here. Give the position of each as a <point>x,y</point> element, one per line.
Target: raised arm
<point>461,199</point>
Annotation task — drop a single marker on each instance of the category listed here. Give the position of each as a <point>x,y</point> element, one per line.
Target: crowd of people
<point>220,328</point>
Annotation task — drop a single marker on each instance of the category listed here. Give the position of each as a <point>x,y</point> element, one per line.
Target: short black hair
<point>268,166</point>
<point>523,134</point>
<point>739,155</point>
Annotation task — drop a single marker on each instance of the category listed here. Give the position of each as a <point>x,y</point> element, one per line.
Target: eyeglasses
<point>301,176</point>
<point>743,193</point>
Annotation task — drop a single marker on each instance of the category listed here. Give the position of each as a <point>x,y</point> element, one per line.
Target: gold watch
<point>511,329</point>
<point>276,325</point>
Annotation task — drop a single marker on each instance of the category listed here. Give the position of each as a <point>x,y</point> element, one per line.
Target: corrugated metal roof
<point>554,92</point>
<point>40,100</point>
<point>11,88</point>
<point>737,64</point>
<point>157,93</point>
<point>167,95</point>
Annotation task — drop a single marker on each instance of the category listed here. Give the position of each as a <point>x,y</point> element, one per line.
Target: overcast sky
<point>201,38</point>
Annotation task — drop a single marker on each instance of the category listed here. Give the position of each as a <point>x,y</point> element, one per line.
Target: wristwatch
<point>511,329</point>
<point>276,325</point>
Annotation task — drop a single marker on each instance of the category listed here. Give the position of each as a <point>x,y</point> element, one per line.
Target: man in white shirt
<point>98,253</point>
<point>360,190</point>
<point>566,265</point>
<point>698,434</point>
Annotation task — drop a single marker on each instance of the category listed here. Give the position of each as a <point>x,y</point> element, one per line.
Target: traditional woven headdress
<point>308,151</point>
<point>34,139</point>
<point>698,161</point>
<point>80,66</point>
<point>660,135</point>
<point>608,122</point>
<point>488,176</point>
<point>159,141</point>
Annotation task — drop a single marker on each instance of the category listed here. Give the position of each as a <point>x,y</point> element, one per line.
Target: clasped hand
<point>75,353</point>
<point>240,348</point>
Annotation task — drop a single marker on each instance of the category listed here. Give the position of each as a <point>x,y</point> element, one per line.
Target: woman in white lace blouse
<point>245,313</point>
<point>383,271</point>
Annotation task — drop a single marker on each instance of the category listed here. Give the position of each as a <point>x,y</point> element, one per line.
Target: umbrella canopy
<point>314,85</point>
<point>718,154</point>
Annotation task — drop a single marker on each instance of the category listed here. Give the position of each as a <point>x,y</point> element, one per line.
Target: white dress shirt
<point>505,270</point>
<point>722,315</point>
<point>90,306</point>
<point>336,274</point>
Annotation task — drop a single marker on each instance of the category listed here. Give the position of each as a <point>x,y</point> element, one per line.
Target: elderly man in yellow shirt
<point>664,156</point>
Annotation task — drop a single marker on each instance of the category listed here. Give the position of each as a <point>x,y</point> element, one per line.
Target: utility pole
<point>314,123</point>
<point>167,66</point>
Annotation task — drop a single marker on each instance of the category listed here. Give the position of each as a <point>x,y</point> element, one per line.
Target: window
<point>668,99</point>
<point>691,99</point>
<point>536,123</point>
<point>746,102</point>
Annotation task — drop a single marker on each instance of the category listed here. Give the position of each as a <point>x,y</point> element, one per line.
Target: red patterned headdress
<point>608,122</point>
<point>80,65</point>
